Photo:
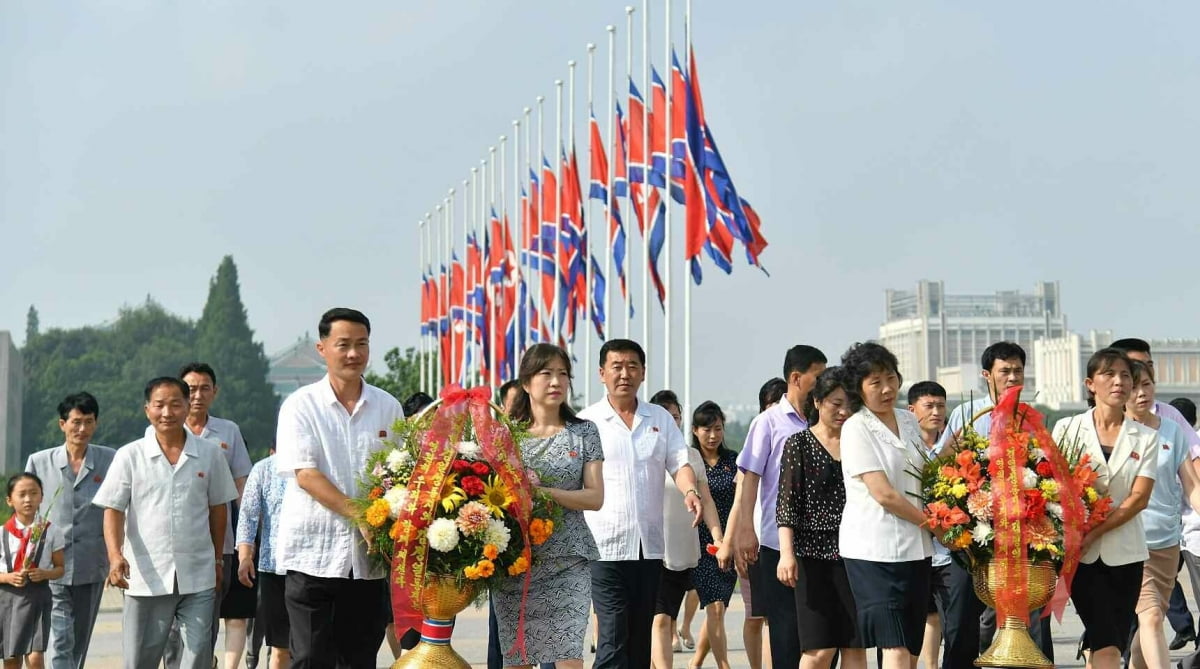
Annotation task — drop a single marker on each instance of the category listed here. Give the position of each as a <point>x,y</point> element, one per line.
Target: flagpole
<point>451,372</point>
<point>424,329</point>
<point>629,10</point>
<point>531,277</point>
<point>610,195</point>
<point>556,329</point>
<point>479,215</point>
<point>687,280</point>
<point>468,212</point>
<point>436,356</point>
<point>667,199</point>
<point>646,160</point>
<point>491,303</point>
<point>587,240</point>
<point>501,340</point>
<point>519,335</point>
<point>541,304</point>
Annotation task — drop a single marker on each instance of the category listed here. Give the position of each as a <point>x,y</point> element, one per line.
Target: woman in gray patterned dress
<point>565,450</point>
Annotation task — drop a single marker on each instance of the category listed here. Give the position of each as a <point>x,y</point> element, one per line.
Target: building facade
<point>12,374</point>
<point>929,330</point>
<point>295,366</point>
<point>1062,364</point>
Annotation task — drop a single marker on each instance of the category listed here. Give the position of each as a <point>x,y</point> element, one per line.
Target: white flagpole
<point>468,213</point>
<point>452,376</point>
<point>632,209</point>
<point>431,253</point>
<point>530,277</point>
<point>495,294</point>
<point>587,239</point>
<point>687,279</point>
<point>647,97</point>
<point>610,196</point>
<point>436,247</point>
<point>498,338</point>
<point>667,250</point>
<point>424,288</point>
<point>556,330</point>
<point>519,245</point>
<point>540,305</point>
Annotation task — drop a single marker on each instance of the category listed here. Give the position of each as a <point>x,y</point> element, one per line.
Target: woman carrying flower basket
<point>1124,454</point>
<point>1163,520</point>
<point>882,540</point>
<point>566,452</point>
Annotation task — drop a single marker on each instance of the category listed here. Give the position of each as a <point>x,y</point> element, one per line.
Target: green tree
<point>403,375</point>
<point>225,341</point>
<point>112,362</point>
<point>31,324</point>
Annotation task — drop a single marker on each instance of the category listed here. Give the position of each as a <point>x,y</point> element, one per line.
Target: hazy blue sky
<point>986,145</point>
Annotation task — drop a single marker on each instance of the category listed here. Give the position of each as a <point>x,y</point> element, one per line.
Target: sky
<point>989,146</point>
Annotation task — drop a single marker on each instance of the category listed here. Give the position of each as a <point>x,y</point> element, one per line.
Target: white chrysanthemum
<point>470,450</point>
<point>497,534</point>
<point>1037,454</point>
<point>396,498</point>
<point>1029,479</point>
<point>398,459</point>
<point>442,535</point>
<point>1054,509</point>
<point>982,533</point>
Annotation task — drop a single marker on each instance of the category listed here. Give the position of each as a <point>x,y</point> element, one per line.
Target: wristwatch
<point>693,491</point>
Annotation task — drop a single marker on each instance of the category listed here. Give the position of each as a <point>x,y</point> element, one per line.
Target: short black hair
<point>622,346</point>
<point>198,368</point>
<point>1132,345</point>
<point>771,392</point>
<point>12,483</point>
<point>341,314</point>
<point>800,358</point>
<point>155,383</point>
<point>925,389</point>
<point>862,360</point>
<point>82,401</point>
<point>505,387</point>
<point>415,402</point>
<point>1186,407</point>
<point>1001,350</point>
<point>664,397</point>
<point>1101,361</point>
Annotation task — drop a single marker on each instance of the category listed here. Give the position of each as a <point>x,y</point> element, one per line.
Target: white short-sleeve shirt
<point>228,436</point>
<point>167,537</point>
<point>869,531</point>
<point>634,460</point>
<point>316,432</point>
<point>53,540</point>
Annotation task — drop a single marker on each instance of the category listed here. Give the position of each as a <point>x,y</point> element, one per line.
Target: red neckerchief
<point>11,527</point>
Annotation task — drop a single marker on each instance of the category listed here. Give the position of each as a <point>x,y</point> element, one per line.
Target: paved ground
<point>470,638</point>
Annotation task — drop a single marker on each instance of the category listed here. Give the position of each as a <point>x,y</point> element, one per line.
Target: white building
<point>295,366</point>
<point>1062,364</point>
<point>929,330</point>
<point>12,373</point>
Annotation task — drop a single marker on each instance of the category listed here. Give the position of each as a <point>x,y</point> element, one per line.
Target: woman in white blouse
<point>1124,453</point>
<point>882,542</point>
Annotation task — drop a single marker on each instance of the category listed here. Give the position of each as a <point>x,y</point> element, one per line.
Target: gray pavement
<point>470,637</point>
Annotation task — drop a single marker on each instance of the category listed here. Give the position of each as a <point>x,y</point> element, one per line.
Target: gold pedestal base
<point>431,656</point>
<point>1013,647</point>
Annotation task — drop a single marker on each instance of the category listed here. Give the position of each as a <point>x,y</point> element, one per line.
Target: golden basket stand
<point>442,598</point>
<point>1012,645</point>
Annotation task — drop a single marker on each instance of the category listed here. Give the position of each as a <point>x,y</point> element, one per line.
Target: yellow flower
<point>490,551</point>
<point>1049,490</point>
<point>452,494</point>
<point>497,496</point>
<point>941,489</point>
<point>486,568</point>
<point>959,490</point>
<point>471,572</point>
<point>377,513</point>
<point>1091,494</point>
<point>963,539</point>
<point>519,566</point>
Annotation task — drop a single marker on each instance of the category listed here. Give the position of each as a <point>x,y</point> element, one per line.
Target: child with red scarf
<point>32,555</point>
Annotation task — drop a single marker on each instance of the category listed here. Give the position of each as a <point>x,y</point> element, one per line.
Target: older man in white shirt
<point>164,526</point>
<point>640,441</point>
<point>326,431</point>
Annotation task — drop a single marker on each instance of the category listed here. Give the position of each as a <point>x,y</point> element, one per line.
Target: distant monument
<point>298,365</point>
<point>12,373</point>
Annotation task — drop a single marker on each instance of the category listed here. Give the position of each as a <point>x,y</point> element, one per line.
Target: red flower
<point>1044,469</point>
<point>460,466</point>
<point>472,485</point>
<point>480,468</point>
<point>1035,504</point>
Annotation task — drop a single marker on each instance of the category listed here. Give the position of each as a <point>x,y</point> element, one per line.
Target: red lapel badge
<point>654,428</point>
<point>1135,455</point>
<point>1166,446</point>
<point>97,478</point>
<point>224,445</point>
<point>382,434</point>
<point>200,474</point>
<point>573,454</point>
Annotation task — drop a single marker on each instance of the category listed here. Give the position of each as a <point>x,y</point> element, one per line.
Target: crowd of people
<point>815,519</point>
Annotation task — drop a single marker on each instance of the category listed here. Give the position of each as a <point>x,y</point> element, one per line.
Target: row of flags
<point>500,298</point>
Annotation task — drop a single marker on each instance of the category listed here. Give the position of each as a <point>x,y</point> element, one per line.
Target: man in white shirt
<point>74,472</point>
<point>326,431</point>
<point>640,441</point>
<point>201,381</point>
<point>164,526</point>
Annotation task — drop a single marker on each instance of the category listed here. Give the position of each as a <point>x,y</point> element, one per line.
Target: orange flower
<point>964,458</point>
<point>471,572</point>
<point>375,493</point>
<point>395,532</point>
<point>540,530</point>
<point>943,516</point>
<point>963,540</point>
<point>377,513</point>
<point>519,566</point>
<point>486,568</point>
<point>1084,474</point>
<point>490,551</point>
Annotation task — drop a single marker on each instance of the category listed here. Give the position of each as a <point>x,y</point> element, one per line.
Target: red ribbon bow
<point>455,394</point>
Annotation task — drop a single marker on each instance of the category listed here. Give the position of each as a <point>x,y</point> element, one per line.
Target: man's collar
<point>153,449</point>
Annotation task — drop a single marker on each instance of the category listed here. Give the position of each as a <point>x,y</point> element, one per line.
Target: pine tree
<point>32,324</point>
<point>225,341</point>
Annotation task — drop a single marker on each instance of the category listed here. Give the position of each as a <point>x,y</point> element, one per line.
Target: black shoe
<point>1079,649</point>
<point>1182,639</point>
